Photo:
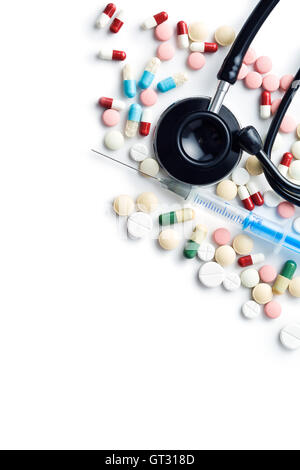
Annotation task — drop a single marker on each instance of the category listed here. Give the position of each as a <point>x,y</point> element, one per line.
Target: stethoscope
<point>198,141</point>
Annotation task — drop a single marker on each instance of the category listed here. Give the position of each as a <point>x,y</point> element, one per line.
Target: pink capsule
<point>106,15</point>
<point>266,105</point>
<point>208,47</point>
<point>285,163</point>
<point>112,54</point>
<point>246,198</point>
<point>183,35</point>
<point>146,122</point>
<point>118,22</point>
<point>255,194</point>
<point>111,103</point>
<point>155,20</point>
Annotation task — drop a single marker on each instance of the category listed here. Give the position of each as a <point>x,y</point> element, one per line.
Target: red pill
<point>155,20</point>
<point>246,198</point>
<point>111,103</point>
<point>146,121</point>
<point>285,163</point>
<point>246,261</point>
<point>209,47</point>
<point>118,22</point>
<point>255,194</point>
<point>106,15</point>
<point>266,105</point>
<point>183,35</point>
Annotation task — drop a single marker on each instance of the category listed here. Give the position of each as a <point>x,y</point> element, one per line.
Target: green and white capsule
<point>178,217</point>
<point>197,238</point>
<point>283,280</point>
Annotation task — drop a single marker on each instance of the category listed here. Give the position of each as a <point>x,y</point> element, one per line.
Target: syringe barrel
<point>261,227</point>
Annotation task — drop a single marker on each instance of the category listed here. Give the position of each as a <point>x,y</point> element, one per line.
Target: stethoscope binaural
<point>198,141</point>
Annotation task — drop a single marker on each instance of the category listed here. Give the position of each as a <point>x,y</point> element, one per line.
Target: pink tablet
<point>164,32</point>
<point>148,97</point>
<point>253,80</point>
<point>196,61</point>
<point>111,117</point>
<point>222,236</point>
<point>271,83</point>
<point>250,57</point>
<point>165,51</point>
<point>286,210</point>
<point>263,65</point>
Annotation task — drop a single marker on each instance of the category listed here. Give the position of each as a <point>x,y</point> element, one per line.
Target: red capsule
<point>287,159</point>
<point>161,17</point>
<point>266,98</point>
<point>246,198</point>
<point>118,55</point>
<point>106,102</point>
<point>210,47</point>
<point>110,10</point>
<point>182,28</point>
<point>250,260</point>
<point>118,22</point>
<point>145,124</point>
<point>255,194</point>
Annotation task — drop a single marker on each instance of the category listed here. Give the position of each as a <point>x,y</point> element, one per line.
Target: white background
<point>107,343</point>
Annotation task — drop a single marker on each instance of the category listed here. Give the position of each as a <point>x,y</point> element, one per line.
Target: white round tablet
<point>114,140</point>
<point>290,337</point>
<point>139,152</point>
<point>251,310</point>
<point>232,282</point>
<point>206,252</point>
<point>139,225</point>
<point>272,199</point>
<point>296,225</point>
<point>149,167</point>
<point>211,275</point>
<point>294,171</point>
<point>250,278</point>
<point>240,177</point>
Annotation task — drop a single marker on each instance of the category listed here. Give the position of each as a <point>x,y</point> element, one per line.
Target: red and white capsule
<point>111,103</point>
<point>146,122</point>
<point>118,22</point>
<point>155,20</point>
<point>111,54</point>
<point>208,47</point>
<point>285,163</point>
<point>266,105</point>
<point>245,197</point>
<point>183,35</point>
<point>246,261</point>
<point>106,15</point>
<point>255,194</point>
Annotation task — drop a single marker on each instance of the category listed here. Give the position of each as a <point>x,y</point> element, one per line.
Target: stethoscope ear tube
<point>233,62</point>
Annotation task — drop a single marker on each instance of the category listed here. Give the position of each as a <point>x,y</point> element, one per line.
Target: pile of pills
<point>192,37</point>
<point>225,261</point>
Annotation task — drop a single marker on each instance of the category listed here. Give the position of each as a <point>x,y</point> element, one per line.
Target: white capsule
<point>153,65</point>
<point>180,78</point>
<point>128,73</point>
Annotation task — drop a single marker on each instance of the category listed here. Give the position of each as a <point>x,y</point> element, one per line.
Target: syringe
<point>250,222</point>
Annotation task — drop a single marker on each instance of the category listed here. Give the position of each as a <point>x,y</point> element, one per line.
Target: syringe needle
<point>124,164</point>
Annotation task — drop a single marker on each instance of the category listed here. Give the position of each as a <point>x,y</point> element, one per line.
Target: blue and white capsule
<point>149,73</point>
<point>133,122</point>
<point>129,82</point>
<point>178,79</point>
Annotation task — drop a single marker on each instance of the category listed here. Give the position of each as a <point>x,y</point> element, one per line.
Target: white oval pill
<point>240,177</point>
<point>232,282</point>
<point>211,275</point>
<point>139,152</point>
<point>290,337</point>
<point>251,310</point>
<point>250,278</point>
<point>149,167</point>
<point>139,225</point>
<point>296,150</point>
<point>206,252</point>
<point>272,199</point>
<point>114,140</point>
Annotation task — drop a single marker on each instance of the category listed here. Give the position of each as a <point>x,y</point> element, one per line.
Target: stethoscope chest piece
<point>195,146</point>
